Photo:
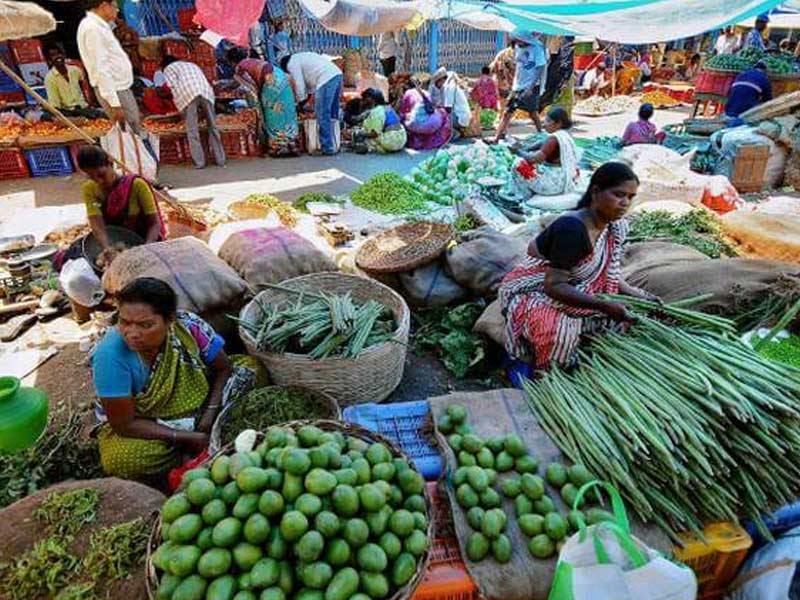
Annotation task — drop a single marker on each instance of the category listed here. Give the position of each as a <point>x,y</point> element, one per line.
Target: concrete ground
<point>42,204</point>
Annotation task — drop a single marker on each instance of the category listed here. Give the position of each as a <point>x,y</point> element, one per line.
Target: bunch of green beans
<point>690,424</point>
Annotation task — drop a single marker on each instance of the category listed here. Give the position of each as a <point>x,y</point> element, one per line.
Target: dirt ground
<point>40,205</point>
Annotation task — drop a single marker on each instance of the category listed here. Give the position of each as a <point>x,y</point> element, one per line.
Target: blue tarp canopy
<point>623,21</point>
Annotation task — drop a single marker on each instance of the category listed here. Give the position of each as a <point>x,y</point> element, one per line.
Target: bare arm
<point>153,229</point>
<point>98,225</point>
<point>122,417</point>
<point>221,369</point>
<point>557,286</point>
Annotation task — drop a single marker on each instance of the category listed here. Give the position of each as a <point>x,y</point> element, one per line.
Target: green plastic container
<point>23,415</point>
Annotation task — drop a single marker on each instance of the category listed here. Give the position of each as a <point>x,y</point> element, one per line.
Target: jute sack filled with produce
<point>272,255</point>
<point>492,324</point>
<point>82,539</point>
<point>430,285</point>
<point>497,417</point>
<point>202,281</point>
<point>482,258</point>
<point>674,272</point>
<point>765,235</point>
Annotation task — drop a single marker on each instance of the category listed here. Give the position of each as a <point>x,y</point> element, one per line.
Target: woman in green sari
<point>385,131</point>
<point>161,376</point>
<point>270,89</point>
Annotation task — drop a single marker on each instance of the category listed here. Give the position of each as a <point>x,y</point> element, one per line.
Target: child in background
<point>642,131</point>
<point>484,94</point>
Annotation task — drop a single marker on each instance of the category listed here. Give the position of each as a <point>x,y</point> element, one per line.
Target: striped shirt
<point>187,81</point>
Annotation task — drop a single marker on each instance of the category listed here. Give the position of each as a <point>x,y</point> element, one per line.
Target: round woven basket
<point>349,429</point>
<point>370,377</point>
<point>404,248</point>
<point>327,402</point>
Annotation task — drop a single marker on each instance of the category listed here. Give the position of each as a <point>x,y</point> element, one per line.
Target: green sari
<point>392,140</point>
<point>177,388</point>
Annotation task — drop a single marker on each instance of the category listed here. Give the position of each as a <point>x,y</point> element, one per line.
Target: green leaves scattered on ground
<point>448,333</point>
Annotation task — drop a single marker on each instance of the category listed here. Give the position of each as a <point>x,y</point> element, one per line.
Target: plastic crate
<point>235,143</point>
<point>717,560</point>
<point>717,83</point>
<point>403,423</point>
<point>177,48</point>
<point>27,51</point>
<point>149,68</point>
<point>12,97</point>
<point>53,160</point>
<point>12,164</point>
<point>173,149</point>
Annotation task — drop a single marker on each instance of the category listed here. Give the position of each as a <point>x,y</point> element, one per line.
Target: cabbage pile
<point>452,171</point>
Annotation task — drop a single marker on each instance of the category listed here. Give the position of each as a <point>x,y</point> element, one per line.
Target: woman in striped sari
<point>550,300</point>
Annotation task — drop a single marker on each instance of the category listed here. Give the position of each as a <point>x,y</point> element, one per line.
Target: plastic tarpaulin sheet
<point>230,19</point>
<point>624,21</point>
<point>368,17</point>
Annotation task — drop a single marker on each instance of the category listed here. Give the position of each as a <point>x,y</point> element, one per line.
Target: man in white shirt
<point>316,74</point>
<point>727,42</point>
<point>107,65</point>
<point>446,92</point>
<point>391,49</point>
<point>192,93</point>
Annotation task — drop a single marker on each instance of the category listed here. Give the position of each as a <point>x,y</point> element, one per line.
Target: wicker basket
<point>404,248</point>
<point>321,398</point>
<point>348,429</point>
<point>370,377</point>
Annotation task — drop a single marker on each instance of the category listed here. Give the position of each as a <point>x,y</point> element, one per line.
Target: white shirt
<point>453,97</point>
<point>108,67</point>
<point>310,72</point>
<point>727,44</point>
<point>391,44</point>
<point>187,81</point>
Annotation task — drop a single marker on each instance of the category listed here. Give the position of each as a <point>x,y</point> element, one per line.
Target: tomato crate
<point>715,561</point>
<point>409,424</point>
<point>12,97</point>
<point>173,149</point>
<point>149,68</point>
<point>12,164</point>
<point>717,83</point>
<point>236,142</point>
<point>27,51</point>
<point>49,161</point>
<point>177,48</point>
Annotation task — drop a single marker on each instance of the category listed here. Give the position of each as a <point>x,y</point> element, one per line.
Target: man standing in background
<point>727,42</point>
<point>391,49</point>
<point>109,69</point>
<point>755,39</point>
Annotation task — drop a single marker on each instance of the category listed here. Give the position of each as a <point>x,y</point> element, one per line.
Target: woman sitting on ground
<point>385,131</point>
<point>642,131</point>
<point>428,127</point>
<point>269,90</point>
<point>550,301</point>
<point>556,160</point>
<point>161,376</point>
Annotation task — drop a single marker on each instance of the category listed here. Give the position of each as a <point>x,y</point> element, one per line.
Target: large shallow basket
<point>348,429</point>
<point>322,399</point>
<point>370,377</point>
<point>404,247</point>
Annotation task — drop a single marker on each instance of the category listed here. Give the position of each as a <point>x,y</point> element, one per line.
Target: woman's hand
<point>618,312</point>
<point>207,422</point>
<point>628,290</point>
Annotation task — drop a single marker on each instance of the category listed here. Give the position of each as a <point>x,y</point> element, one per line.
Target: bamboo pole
<point>614,70</point>
<point>85,136</point>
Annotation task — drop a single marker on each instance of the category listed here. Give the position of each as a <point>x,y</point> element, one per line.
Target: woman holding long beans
<point>550,300</point>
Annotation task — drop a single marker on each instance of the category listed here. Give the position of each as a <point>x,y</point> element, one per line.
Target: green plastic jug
<point>23,415</point>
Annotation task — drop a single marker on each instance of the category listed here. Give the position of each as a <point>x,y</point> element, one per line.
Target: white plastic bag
<point>129,149</point>
<point>605,562</point>
<point>81,283</point>
<point>311,131</point>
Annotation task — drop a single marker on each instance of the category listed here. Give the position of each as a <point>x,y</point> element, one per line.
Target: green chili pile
<point>388,193</point>
<point>65,513</point>
<point>689,423</point>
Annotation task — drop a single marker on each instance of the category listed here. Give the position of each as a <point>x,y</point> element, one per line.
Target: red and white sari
<point>542,328</point>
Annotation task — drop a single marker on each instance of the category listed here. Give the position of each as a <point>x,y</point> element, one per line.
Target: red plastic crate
<point>235,143</point>
<point>186,20</point>
<point>13,164</point>
<point>713,82</point>
<point>149,68</point>
<point>447,577</point>
<point>203,52</point>
<point>177,48</point>
<point>12,98</point>
<point>173,149</point>
<point>27,51</point>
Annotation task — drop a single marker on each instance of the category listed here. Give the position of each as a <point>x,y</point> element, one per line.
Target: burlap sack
<point>492,324</point>
<point>265,256</point>
<point>202,281</point>
<point>482,258</point>
<point>501,412</point>
<point>674,272</point>
<point>765,235</point>
<point>429,286</point>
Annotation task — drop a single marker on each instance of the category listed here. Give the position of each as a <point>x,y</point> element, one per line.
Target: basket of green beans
<point>339,334</point>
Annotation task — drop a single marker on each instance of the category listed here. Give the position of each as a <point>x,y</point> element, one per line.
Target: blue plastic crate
<point>402,423</point>
<point>54,160</point>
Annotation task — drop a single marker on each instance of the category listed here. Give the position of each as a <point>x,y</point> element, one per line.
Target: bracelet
<point>213,406</point>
